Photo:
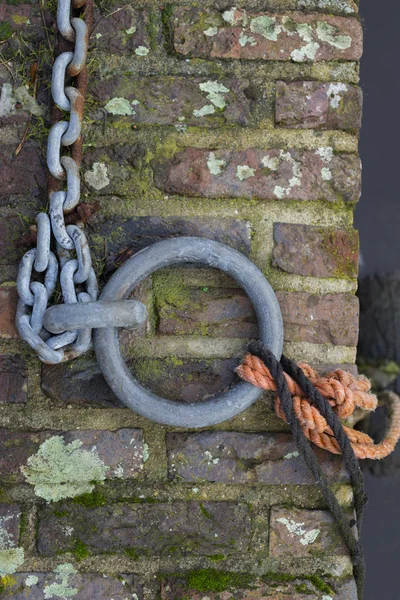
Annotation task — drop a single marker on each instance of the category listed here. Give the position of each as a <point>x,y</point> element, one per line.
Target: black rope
<point>345,526</point>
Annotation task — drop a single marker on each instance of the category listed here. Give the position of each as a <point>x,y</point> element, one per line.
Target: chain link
<point>77,278</point>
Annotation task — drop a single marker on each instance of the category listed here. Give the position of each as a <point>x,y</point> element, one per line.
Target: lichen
<point>211,31</point>
<point>271,163</point>
<point>265,26</point>
<point>131,30</point>
<point>59,470</point>
<point>215,165</point>
<point>334,93</point>
<point>244,172</point>
<point>326,174</point>
<point>308,51</point>
<point>142,51</point>
<point>31,580</point>
<point>246,39</point>
<point>61,589</point>
<point>119,106</point>
<point>11,557</point>
<point>294,528</point>
<point>208,109</point>
<point>214,91</point>
<point>97,177</point>
<point>327,33</point>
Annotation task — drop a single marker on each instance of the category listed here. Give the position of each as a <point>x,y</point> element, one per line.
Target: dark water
<point>378,220</point>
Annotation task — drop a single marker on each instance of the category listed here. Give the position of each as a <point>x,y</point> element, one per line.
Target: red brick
<point>121,451</point>
<point>13,386</point>
<point>328,319</point>
<point>80,586</point>
<point>182,100</point>
<point>122,31</point>
<point>24,174</point>
<point>266,36</point>
<point>264,174</point>
<point>215,312</point>
<point>315,251</point>
<point>8,307</point>
<point>238,458</point>
<point>301,533</point>
<point>311,104</point>
<point>147,529</point>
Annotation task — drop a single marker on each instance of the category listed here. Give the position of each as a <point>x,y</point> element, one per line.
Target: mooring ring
<point>175,252</point>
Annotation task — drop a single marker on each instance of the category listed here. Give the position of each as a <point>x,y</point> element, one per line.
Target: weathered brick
<point>301,533</point>
<point>125,237</point>
<point>315,251</point>
<point>328,319</point>
<point>13,385</point>
<point>26,19</point>
<point>265,174</point>
<point>181,100</point>
<point>65,579</point>
<point>214,312</point>
<point>311,104</point>
<point>11,228</point>
<point>10,518</point>
<point>243,587</point>
<point>121,451</point>
<point>185,380</point>
<point>8,307</point>
<point>232,457</point>
<point>30,163</point>
<point>236,33</point>
<point>147,529</point>
<point>80,381</point>
<point>124,31</point>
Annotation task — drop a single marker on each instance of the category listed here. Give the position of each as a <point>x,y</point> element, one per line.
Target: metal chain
<point>77,278</point>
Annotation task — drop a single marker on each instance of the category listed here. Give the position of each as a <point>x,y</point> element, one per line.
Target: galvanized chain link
<point>77,278</point>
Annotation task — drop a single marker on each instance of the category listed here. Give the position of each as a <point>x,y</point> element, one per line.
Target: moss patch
<point>80,550</point>
<point>211,580</point>
<point>90,500</point>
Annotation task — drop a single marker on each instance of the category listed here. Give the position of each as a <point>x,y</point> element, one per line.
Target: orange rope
<point>344,393</point>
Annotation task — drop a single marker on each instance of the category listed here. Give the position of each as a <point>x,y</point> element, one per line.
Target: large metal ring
<point>174,252</point>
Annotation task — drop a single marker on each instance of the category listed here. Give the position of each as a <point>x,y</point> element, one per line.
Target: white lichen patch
<point>97,177</point>
<point>146,453</point>
<point>11,557</point>
<point>306,537</point>
<point>244,172</point>
<point>265,26</point>
<point>291,455</point>
<point>211,31</point>
<point>271,163</point>
<point>334,92</point>
<point>328,5</point>
<point>230,16</point>
<point>308,51</point>
<point>326,598</point>
<point>98,36</point>
<point>208,109</point>
<point>131,30</point>
<point>59,470</point>
<point>285,191</point>
<point>327,33</point>
<point>61,587</point>
<point>68,530</point>
<point>246,39</point>
<point>31,580</point>
<point>9,98</point>
<point>119,472</point>
<point>142,51</point>
<point>325,153</point>
<point>119,106</point>
<point>326,174</point>
<point>215,92</point>
<point>215,165</point>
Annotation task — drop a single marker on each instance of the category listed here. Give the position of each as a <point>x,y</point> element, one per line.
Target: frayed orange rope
<point>344,393</point>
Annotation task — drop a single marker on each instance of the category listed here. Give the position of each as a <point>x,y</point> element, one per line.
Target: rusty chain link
<point>77,278</point>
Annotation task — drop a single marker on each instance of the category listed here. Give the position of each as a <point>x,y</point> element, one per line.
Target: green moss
<point>22,526</point>
<point>205,512</point>
<point>303,589</point>
<point>91,500</point>
<point>80,550</point>
<point>5,30</point>
<point>211,580</point>
<point>168,31</point>
<point>216,557</point>
<point>133,553</point>
<point>281,577</point>
<point>6,582</point>
<point>60,513</point>
<point>319,584</point>
<point>152,28</point>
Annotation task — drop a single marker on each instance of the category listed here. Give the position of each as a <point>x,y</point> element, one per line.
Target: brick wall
<point>238,124</point>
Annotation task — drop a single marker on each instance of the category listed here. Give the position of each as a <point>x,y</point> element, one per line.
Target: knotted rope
<point>344,393</point>
<point>279,373</point>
